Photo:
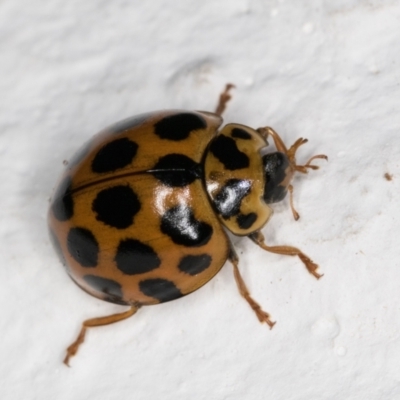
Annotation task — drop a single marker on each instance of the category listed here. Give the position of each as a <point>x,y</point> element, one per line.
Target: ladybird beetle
<point>139,215</point>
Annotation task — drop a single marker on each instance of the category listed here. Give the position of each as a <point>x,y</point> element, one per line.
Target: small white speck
<point>249,82</point>
<point>308,28</point>
<point>373,69</point>
<point>274,12</point>
<point>326,327</point>
<point>340,351</point>
<point>341,154</point>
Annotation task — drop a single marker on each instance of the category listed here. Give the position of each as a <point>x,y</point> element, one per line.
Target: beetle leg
<point>267,132</point>
<point>261,314</point>
<point>296,215</point>
<point>223,99</point>
<point>90,323</point>
<point>258,238</point>
<point>309,165</point>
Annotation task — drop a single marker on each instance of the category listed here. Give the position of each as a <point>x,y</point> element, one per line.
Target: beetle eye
<point>275,165</point>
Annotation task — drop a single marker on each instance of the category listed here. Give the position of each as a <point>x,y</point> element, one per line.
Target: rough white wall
<point>328,71</point>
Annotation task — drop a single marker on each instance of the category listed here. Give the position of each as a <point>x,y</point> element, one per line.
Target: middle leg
<point>260,313</point>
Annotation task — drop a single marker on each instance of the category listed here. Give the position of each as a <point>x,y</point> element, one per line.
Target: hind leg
<point>91,323</point>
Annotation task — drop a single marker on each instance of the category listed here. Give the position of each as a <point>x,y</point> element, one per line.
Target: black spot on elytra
<point>245,221</point>
<point>228,200</point>
<point>57,246</point>
<point>176,170</point>
<point>63,204</point>
<point>114,155</point>
<point>116,206</point>
<point>275,165</point>
<point>193,265</point>
<point>134,257</point>
<point>178,127</point>
<point>83,247</point>
<point>183,228</point>
<point>225,150</point>
<point>129,123</point>
<point>240,134</point>
<point>109,287</point>
<point>161,289</point>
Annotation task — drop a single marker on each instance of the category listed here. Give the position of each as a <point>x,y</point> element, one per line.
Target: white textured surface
<point>328,71</point>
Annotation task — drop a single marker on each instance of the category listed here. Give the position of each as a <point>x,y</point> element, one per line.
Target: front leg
<point>258,238</point>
